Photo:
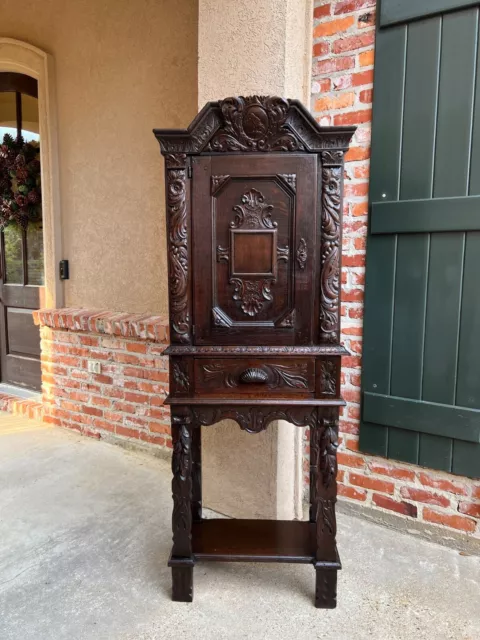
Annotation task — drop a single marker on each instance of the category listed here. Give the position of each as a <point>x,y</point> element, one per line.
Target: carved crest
<point>255,123</point>
<point>254,212</point>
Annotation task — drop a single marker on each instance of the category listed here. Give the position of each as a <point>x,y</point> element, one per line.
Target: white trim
<point>21,57</point>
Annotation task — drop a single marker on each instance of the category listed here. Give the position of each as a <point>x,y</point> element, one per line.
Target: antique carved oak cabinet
<point>254,206</point>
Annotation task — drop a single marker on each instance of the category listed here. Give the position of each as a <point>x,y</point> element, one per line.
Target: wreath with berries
<point>20,184</point>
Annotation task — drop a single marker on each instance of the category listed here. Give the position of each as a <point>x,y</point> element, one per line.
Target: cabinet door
<point>254,248</point>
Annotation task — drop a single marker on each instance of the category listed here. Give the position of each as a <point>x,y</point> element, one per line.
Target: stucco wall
<point>122,68</point>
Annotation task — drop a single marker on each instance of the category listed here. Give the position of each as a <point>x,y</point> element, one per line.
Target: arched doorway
<point>22,276</point>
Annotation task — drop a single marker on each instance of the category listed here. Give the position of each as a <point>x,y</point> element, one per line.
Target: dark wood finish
<point>18,82</point>
<point>254,204</point>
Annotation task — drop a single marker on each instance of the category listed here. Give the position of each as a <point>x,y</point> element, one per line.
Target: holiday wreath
<point>20,189</point>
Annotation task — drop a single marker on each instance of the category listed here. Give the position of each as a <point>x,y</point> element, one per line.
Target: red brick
<point>352,362</point>
<point>476,492</point>
<point>353,80</point>
<point>159,427</point>
<point>78,395</point>
<point>392,472</point>
<point>340,101</point>
<point>324,85</point>
<point>442,484</point>
<point>362,171</point>
<point>124,431</point>
<point>404,508</point>
<point>454,522</point>
<point>357,153</point>
<point>352,331</point>
<point>368,482</point>
<point>124,406</point>
<point>470,508</point>
<point>353,117</point>
<point>350,460</point>
<point>352,444</point>
<point>355,313</point>
<point>349,427</point>
<point>420,495</point>
<point>366,58</point>
<point>102,379</point>
<point>348,6</point>
<point>358,278</point>
<point>360,244</point>
<point>136,347</point>
<point>93,434</point>
<point>351,394</point>
<point>353,412</point>
<point>92,411</point>
<point>331,65</point>
<point>353,295</point>
<point>360,208</point>
<point>136,397</point>
<point>352,493</point>
<point>354,42</point>
<point>321,49</point>
<point>366,96</point>
<point>356,190</point>
<point>331,27</point>
<point>340,476</point>
<point>322,11</point>
<point>113,416</point>
<point>100,401</point>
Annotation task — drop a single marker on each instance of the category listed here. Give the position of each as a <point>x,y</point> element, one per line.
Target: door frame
<point>21,57</point>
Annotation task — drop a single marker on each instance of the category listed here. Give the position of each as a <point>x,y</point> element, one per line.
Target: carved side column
<point>196,473</point>
<point>178,238</point>
<point>323,488</point>
<point>181,559</point>
<point>332,183</point>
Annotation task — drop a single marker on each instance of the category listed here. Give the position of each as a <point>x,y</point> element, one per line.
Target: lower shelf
<point>256,541</point>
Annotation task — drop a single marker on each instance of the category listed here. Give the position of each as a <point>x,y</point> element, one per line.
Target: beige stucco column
<point>249,47</point>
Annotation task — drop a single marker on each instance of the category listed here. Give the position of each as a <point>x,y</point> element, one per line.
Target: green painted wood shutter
<point>421,362</point>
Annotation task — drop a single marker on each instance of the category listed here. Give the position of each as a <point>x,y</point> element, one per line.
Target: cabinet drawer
<point>259,376</point>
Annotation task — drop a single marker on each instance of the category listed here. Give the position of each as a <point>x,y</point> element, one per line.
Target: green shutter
<point>421,363</point>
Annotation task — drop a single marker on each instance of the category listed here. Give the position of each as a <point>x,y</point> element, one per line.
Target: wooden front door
<point>255,234</point>
<point>21,252</point>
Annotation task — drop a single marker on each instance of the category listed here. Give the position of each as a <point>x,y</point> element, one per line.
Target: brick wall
<point>342,83</point>
<point>124,400</point>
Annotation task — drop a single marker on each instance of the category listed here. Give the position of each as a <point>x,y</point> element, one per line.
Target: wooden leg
<point>182,584</point>
<point>196,473</point>
<point>323,496</point>
<point>181,559</point>
<point>325,588</point>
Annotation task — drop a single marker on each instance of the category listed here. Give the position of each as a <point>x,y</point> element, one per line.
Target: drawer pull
<point>253,376</point>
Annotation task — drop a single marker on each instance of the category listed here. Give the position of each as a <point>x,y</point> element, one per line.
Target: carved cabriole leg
<point>196,473</point>
<point>181,559</point>
<point>324,442</point>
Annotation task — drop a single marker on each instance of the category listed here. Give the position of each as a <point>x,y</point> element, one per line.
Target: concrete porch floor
<point>85,537</point>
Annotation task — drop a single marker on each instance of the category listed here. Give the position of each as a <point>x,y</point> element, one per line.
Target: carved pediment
<point>253,123</point>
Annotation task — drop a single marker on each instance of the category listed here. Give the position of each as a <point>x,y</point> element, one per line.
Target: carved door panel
<point>255,241</point>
